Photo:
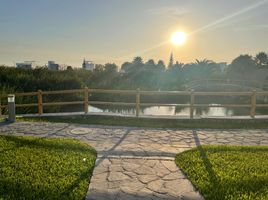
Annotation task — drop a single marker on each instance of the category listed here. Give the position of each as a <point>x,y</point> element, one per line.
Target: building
<point>52,65</point>
<point>88,65</point>
<point>25,65</point>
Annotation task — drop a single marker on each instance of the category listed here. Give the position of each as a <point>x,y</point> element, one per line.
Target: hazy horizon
<point>116,31</point>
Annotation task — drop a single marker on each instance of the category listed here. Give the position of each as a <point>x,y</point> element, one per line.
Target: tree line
<point>149,75</point>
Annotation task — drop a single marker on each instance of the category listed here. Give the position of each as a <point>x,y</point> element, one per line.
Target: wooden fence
<point>192,95</point>
<point>227,82</point>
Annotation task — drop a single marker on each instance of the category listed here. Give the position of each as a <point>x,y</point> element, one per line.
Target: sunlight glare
<point>178,38</point>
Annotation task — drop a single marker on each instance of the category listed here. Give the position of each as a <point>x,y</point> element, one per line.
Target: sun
<point>178,38</point>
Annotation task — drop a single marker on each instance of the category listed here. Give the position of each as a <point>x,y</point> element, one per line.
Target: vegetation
<point>227,172</point>
<point>136,74</point>
<point>148,75</point>
<point>39,168</point>
<point>154,122</point>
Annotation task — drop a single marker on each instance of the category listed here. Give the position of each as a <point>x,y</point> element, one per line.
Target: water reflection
<point>168,111</point>
<point>185,111</point>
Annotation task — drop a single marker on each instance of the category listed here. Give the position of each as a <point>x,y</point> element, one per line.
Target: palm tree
<point>205,68</point>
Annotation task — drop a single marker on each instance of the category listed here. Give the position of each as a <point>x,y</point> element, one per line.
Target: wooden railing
<point>240,83</point>
<point>192,95</point>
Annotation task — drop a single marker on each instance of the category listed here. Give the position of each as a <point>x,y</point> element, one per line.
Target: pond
<point>176,111</point>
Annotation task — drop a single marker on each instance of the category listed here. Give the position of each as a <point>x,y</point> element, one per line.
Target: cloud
<point>252,28</point>
<point>168,11</point>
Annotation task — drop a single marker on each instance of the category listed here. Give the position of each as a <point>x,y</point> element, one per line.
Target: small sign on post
<point>11,108</point>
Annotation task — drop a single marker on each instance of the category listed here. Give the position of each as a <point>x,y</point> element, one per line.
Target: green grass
<point>39,168</point>
<point>227,172</point>
<point>156,123</point>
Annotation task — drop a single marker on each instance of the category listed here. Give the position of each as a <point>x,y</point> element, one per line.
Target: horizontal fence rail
<point>239,83</point>
<point>86,92</point>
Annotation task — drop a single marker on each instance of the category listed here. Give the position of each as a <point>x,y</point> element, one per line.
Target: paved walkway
<point>138,163</point>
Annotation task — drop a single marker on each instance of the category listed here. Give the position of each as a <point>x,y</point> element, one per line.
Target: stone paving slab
<point>138,163</point>
<point>139,179</point>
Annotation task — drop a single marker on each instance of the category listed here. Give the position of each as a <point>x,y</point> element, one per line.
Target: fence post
<point>86,100</point>
<point>253,104</point>
<point>138,102</point>
<point>192,105</point>
<point>40,102</point>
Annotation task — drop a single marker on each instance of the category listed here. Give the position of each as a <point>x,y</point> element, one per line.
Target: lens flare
<point>178,38</point>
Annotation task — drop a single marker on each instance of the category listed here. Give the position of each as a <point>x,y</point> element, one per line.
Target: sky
<point>115,31</point>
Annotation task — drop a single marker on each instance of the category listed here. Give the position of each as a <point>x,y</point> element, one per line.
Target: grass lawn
<point>227,172</point>
<point>40,168</point>
<point>155,123</point>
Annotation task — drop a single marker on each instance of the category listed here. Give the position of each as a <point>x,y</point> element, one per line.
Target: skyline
<point>116,31</point>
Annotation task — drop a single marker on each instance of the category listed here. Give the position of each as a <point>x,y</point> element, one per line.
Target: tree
<point>137,61</point>
<point>69,68</point>
<point>178,66</point>
<point>161,65</point>
<point>150,62</point>
<point>261,59</point>
<point>98,68</point>
<point>241,66</point>
<point>111,68</point>
<point>126,66</point>
<point>243,63</point>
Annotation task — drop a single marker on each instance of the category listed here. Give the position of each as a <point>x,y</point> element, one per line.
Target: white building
<point>25,65</point>
<point>88,65</point>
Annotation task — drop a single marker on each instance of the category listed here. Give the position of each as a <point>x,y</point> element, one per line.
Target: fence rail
<point>138,93</point>
<point>240,83</point>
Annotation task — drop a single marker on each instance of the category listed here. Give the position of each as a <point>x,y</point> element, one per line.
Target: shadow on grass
<point>86,175</point>
<point>212,175</point>
<point>154,122</point>
<point>219,188</point>
<point>18,190</point>
<point>48,144</point>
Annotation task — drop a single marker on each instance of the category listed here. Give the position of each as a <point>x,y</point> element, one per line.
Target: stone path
<point>138,163</point>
